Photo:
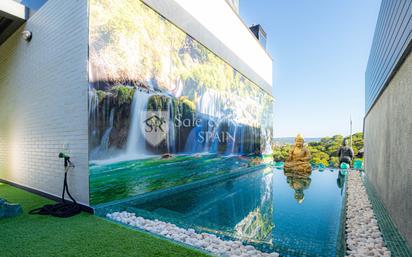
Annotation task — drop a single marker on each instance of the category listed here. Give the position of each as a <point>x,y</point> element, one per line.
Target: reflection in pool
<point>308,212</point>
<point>294,214</point>
<point>299,181</point>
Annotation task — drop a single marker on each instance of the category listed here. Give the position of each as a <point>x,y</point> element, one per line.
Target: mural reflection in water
<point>239,208</point>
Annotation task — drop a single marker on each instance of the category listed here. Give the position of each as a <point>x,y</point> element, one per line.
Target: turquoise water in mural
<point>111,181</point>
<point>294,214</point>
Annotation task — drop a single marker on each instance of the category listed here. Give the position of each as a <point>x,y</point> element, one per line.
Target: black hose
<point>65,208</point>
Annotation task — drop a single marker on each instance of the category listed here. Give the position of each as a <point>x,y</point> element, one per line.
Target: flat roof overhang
<point>12,16</point>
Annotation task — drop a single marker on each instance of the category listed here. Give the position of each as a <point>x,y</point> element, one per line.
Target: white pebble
<point>205,241</point>
<point>363,235</point>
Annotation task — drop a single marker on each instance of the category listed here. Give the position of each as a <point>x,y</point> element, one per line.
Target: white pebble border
<point>205,241</point>
<point>363,235</point>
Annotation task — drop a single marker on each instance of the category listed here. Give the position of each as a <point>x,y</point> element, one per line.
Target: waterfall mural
<point>158,98</point>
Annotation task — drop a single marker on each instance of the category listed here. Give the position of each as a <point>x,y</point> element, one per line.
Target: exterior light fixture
<point>26,35</point>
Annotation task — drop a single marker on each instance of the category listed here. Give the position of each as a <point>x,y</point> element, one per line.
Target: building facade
<point>76,86</point>
<point>388,120</point>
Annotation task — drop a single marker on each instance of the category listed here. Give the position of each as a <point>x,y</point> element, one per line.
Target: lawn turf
<point>81,235</point>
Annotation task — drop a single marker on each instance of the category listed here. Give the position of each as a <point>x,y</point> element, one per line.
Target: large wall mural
<point>164,111</point>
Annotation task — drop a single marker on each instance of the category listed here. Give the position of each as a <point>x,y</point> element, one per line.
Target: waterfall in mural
<point>136,142</point>
<point>217,127</point>
<point>228,113</point>
<point>171,135</point>
<point>210,104</point>
<point>93,105</point>
<point>104,144</point>
<point>231,145</point>
<point>164,110</point>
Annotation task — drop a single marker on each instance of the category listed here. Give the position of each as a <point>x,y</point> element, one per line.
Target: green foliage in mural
<point>131,47</point>
<point>187,103</point>
<point>101,95</point>
<point>132,44</point>
<point>124,95</point>
<point>118,94</point>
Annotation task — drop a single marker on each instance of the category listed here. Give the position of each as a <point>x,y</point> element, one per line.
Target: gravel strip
<point>363,237</point>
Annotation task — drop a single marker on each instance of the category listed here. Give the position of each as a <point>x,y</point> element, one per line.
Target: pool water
<point>291,213</point>
<point>111,181</point>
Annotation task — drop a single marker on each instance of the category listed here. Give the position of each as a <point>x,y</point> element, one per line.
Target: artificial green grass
<point>81,235</point>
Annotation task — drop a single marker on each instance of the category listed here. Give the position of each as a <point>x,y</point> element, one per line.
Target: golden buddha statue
<point>299,157</point>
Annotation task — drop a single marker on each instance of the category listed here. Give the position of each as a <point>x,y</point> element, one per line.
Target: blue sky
<point>320,50</point>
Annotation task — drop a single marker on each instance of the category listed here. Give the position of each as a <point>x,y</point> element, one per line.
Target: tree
<point>323,152</point>
<point>281,153</point>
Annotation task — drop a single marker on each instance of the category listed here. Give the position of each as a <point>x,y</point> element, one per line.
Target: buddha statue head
<point>299,157</point>
<point>299,140</point>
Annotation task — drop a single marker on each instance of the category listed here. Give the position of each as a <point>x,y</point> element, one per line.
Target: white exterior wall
<point>13,9</point>
<point>43,100</point>
<point>218,27</point>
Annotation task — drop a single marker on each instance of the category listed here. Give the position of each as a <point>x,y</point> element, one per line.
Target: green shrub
<point>123,94</point>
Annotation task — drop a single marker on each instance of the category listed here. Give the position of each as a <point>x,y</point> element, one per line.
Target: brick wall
<point>43,100</point>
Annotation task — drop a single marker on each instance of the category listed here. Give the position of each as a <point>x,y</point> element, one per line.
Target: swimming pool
<point>293,214</point>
